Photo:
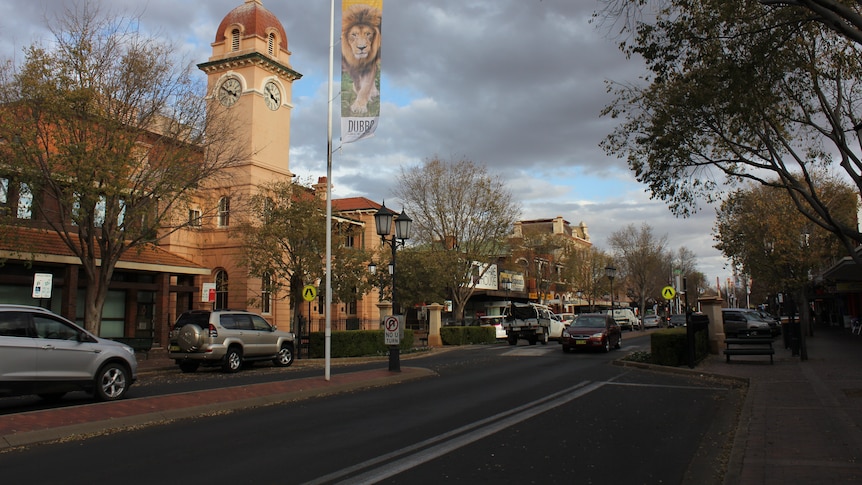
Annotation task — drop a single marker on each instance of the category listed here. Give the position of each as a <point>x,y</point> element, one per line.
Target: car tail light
<point>213,331</point>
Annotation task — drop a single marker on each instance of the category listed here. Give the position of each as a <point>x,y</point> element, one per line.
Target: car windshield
<point>589,321</point>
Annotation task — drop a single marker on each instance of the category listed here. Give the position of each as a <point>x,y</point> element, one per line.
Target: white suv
<point>227,338</point>
<point>43,353</point>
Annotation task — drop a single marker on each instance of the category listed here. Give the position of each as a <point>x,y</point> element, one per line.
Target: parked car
<point>774,322</point>
<point>652,321</point>
<point>495,321</point>
<point>676,320</point>
<point>625,318</point>
<point>45,354</point>
<point>742,322</point>
<point>567,318</point>
<point>227,338</point>
<point>592,331</point>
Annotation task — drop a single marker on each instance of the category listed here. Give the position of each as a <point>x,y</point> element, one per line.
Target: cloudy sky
<point>516,85</point>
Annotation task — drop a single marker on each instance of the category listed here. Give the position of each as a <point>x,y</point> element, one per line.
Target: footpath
<point>801,421</point>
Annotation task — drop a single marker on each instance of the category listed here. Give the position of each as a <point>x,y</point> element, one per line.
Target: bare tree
<point>464,214</point>
<point>639,254</point>
<point>111,136</point>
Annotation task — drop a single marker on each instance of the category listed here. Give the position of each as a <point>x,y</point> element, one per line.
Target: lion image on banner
<point>360,52</point>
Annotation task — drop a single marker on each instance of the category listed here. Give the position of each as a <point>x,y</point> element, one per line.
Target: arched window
<point>224,212</point>
<point>266,294</point>
<point>234,40</point>
<point>271,44</point>
<point>221,289</point>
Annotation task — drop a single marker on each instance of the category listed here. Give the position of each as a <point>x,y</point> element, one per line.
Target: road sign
<point>309,292</point>
<point>391,330</point>
<point>668,292</point>
<point>42,285</point>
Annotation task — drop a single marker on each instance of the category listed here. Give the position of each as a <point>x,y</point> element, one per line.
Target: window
<point>221,289</point>
<point>194,218</point>
<point>224,212</point>
<point>260,324</point>
<point>99,212</point>
<point>16,199</point>
<point>271,44</point>
<point>53,329</point>
<point>234,40</point>
<point>266,294</point>
<point>268,208</point>
<point>15,324</point>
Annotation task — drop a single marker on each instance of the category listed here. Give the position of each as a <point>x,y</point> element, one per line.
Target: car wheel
<point>190,337</point>
<point>52,396</point>
<point>606,346</point>
<point>112,382</point>
<point>285,356</point>
<point>232,360</point>
<point>619,344</point>
<point>513,340</point>
<point>189,367</point>
<point>544,339</point>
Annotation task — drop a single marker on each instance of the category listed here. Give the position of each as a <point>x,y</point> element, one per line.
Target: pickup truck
<point>527,322</point>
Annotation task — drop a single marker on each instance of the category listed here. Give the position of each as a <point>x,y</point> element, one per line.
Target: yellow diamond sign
<point>668,292</point>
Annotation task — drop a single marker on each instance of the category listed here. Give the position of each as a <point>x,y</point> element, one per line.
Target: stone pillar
<point>434,319</point>
<point>711,307</point>
<point>385,308</point>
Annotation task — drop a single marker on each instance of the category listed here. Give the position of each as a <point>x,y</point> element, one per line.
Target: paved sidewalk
<point>802,420</point>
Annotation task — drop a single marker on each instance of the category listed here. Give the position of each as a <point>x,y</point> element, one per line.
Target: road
<point>523,414</point>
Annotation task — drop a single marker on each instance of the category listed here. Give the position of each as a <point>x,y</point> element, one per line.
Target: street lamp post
<point>611,272</point>
<point>383,223</point>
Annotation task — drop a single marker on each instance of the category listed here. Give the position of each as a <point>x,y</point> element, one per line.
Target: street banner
<point>360,68</point>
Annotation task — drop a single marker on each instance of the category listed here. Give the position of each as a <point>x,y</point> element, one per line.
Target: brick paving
<point>802,420</point>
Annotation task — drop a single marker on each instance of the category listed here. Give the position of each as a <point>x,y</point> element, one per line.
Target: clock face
<point>271,96</point>
<point>229,91</point>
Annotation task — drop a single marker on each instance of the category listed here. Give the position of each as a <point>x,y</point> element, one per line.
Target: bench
<point>422,337</point>
<point>140,344</point>
<point>749,346</point>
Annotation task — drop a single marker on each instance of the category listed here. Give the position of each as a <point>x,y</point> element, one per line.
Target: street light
<point>383,223</point>
<point>611,272</point>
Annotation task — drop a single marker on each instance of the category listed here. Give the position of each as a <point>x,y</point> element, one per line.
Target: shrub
<point>355,343</point>
<point>468,335</point>
<point>670,347</point>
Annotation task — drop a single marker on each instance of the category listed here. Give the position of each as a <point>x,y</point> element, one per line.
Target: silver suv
<point>227,338</point>
<point>742,322</point>
<point>43,353</point>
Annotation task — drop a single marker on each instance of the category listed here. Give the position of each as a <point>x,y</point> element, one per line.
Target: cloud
<point>516,85</point>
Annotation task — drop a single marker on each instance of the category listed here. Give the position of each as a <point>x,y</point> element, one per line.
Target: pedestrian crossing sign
<point>668,292</point>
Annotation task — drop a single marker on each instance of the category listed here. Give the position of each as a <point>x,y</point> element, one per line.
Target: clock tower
<point>249,76</point>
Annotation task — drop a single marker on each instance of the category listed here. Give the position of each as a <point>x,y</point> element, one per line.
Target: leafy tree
<point>106,130</point>
<point>423,276</point>
<point>776,246</point>
<point>285,239</point>
<point>462,214</point>
<point>639,256</point>
<point>742,91</point>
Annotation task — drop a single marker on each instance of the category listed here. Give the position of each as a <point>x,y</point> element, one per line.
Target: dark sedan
<point>592,331</point>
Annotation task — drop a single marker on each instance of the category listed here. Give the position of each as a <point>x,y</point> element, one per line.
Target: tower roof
<point>255,20</point>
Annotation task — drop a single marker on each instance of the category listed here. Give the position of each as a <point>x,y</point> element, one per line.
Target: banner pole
<point>327,344</point>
